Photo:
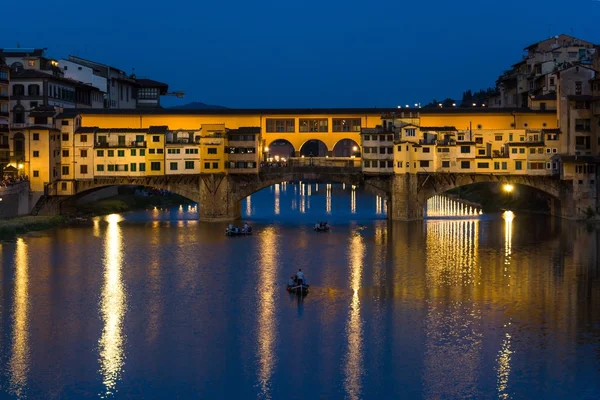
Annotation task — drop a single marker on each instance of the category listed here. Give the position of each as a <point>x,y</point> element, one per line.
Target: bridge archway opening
<point>498,196</point>
<point>346,148</point>
<point>280,149</point>
<point>314,148</point>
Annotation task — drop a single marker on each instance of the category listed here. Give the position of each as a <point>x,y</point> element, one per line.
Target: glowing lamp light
<point>508,216</point>
<point>474,105</point>
<point>508,188</point>
<point>440,104</point>
<point>355,148</point>
<point>266,149</point>
<point>453,104</point>
<point>20,166</point>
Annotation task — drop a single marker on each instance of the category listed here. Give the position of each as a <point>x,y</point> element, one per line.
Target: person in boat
<point>292,281</point>
<point>300,276</point>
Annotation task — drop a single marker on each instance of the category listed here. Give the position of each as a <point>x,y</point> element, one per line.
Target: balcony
<point>106,145</point>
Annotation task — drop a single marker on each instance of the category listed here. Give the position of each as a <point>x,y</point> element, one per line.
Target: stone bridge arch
<point>424,186</point>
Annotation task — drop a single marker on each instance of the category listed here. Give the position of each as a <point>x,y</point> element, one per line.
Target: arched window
<point>18,114</point>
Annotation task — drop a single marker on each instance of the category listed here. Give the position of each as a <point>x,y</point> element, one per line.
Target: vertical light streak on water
<point>377,205</point>
<point>277,209</point>
<point>503,368</point>
<point>353,370</point>
<point>18,364</point>
<point>508,228</point>
<point>112,309</point>
<point>328,199</point>
<point>309,194</point>
<point>155,304</point>
<point>453,342</point>
<point>302,198</point>
<point>353,201</point>
<point>249,206</point>
<point>267,311</point>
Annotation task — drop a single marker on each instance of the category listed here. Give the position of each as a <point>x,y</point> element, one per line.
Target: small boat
<point>298,288</point>
<point>235,231</point>
<point>322,227</point>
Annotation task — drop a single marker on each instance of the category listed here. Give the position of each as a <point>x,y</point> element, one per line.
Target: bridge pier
<point>215,199</point>
<point>405,204</point>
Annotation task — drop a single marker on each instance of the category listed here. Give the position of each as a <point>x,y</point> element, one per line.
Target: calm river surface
<point>157,305</point>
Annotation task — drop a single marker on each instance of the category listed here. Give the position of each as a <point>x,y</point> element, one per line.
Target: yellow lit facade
<point>212,148</point>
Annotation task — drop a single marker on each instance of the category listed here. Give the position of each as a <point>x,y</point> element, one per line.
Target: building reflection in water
<point>353,370</point>
<point>112,309</point>
<point>453,334</point>
<point>249,206</point>
<point>267,313</point>
<point>276,196</point>
<point>443,206</point>
<point>19,361</point>
<point>328,199</point>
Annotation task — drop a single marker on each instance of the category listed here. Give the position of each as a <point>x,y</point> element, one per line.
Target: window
<point>504,165</point>
<point>65,122</point>
<point>156,139</point>
<point>100,167</point>
<point>445,164</point>
<point>281,125</point>
<point>151,151</point>
<point>111,153</point>
<point>83,138</point>
<point>36,136</point>
<point>111,168</point>
<point>194,151</point>
<point>424,164</point>
<point>465,164</point>
<point>133,152</point>
<point>142,167</point>
<point>160,151</point>
<point>155,166</point>
<point>173,166</point>
<point>142,152</point>
<point>121,140</point>
<point>212,150</point>
<point>521,150</point>
<point>346,125</point>
<point>65,137</point>
<point>390,164</point>
<point>120,153</point>
<point>382,150</point>
<point>65,153</point>
<point>63,186</point>
<point>583,125</point>
<point>479,140</point>
<point>399,148</point>
<point>496,165</point>
<point>518,165</point>
<point>102,139</point>
<point>206,165</point>
<point>83,153</point>
<point>18,90</point>
<point>465,149</point>
<point>367,164</point>
<point>36,153</point>
<point>461,137</point>
<point>410,132</point>
<point>481,152</point>
<point>100,153</point>
<point>535,165</point>
<point>147,93</point>
<point>551,81</point>
<point>36,174</point>
<point>426,149</point>
<point>139,138</point>
<point>65,170</point>
<point>532,150</point>
<point>189,165</point>
<point>83,169</point>
<point>578,85</point>
<point>215,165</point>
<point>543,106</point>
<point>514,150</point>
<point>314,125</point>
<point>498,138</point>
<point>483,165</point>
<point>382,163</point>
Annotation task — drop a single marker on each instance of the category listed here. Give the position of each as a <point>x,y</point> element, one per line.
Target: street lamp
<point>508,188</point>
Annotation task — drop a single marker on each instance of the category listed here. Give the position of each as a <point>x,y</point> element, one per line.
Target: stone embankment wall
<point>15,200</point>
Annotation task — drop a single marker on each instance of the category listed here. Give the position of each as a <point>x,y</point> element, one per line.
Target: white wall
<point>83,74</point>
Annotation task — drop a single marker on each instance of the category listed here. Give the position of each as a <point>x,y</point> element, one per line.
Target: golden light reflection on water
<point>452,252</point>
<point>267,313</point>
<point>154,301</point>
<point>353,370</point>
<point>19,361</point>
<point>328,199</point>
<point>353,200</point>
<point>112,308</point>
<point>503,369</point>
<point>508,228</point>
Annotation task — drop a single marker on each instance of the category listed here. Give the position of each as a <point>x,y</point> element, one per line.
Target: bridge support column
<point>215,200</point>
<point>405,203</point>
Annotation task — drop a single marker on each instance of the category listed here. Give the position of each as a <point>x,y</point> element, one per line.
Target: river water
<point>154,304</point>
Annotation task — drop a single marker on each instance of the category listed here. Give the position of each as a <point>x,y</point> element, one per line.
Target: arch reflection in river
<point>443,206</point>
<point>112,309</point>
<point>19,361</point>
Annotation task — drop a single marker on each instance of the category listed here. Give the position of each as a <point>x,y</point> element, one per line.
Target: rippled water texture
<point>157,305</point>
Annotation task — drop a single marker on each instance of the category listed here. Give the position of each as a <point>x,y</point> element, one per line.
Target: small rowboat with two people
<point>297,284</point>
<point>236,231</point>
<point>322,227</point>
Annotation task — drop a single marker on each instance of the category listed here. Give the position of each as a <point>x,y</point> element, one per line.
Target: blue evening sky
<point>311,53</point>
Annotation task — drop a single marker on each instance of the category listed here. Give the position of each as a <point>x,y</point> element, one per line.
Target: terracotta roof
<point>86,129</point>
<point>42,127</point>
<point>158,129</point>
<point>149,83</point>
